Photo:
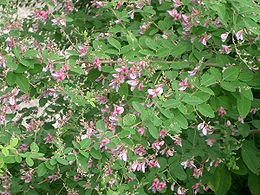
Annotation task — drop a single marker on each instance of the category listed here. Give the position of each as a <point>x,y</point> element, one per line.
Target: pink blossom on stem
<point>183,84</point>
<point>163,133</point>
<point>123,155</point>
<point>155,92</point>
<point>157,145</point>
<point>83,50</point>
<point>177,3</point>
<point>222,112</point>
<point>228,123</point>
<point>177,140</point>
<point>241,120</point>
<point>59,75</point>
<point>153,164</point>
<point>204,39</point>
<point>140,151</point>
<point>104,142</point>
<point>224,36</point>
<point>239,35</point>
<point>97,64</point>
<point>197,172</point>
<point>226,49</point>
<point>141,131</point>
<point>174,13</point>
<point>194,71</point>
<point>118,110</point>
<point>210,142</point>
<point>133,84</point>
<point>181,191</point>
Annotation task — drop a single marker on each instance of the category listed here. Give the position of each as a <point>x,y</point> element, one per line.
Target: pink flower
<point>97,64</point>
<point>224,36</point>
<point>204,39</point>
<point>104,142</point>
<point>48,139</point>
<point>228,123</point>
<point>163,133</point>
<point>155,185</point>
<point>197,172</point>
<point>140,87</point>
<point>181,191</point>
<point>210,142</point>
<point>141,167</point>
<point>157,145</point>
<point>161,186</point>
<point>173,13</point>
<point>241,120</point>
<point>177,3</point>
<point>141,131</point>
<point>2,61</point>
<point>83,50</point>
<point>59,75</point>
<point>41,15</point>
<point>188,163</point>
<point>140,151</point>
<point>194,71</point>
<point>133,84</point>
<point>155,92</point>
<point>222,112</point>
<point>183,84</point>
<point>239,35</point>
<point>226,49</point>
<point>170,152</point>
<point>123,155</point>
<point>206,129</point>
<point>177,140</point>
<point>118,110</point>
<point>173,186</point>
<point>153,164</point>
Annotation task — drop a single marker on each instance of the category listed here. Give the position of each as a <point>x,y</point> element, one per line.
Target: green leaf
<point>179,49</point>
<point>171,103</point>
<point>151,43</point>
<point>62,161</point>
<point>10,78</point>
<point>205,110</point>
<point>243,129</point>
<point>123,90</point>
<point>13,142</point>
<point>41,169</point>
<point>85,143</point>
<point>34,147</point>
<point>229,86</point>
<point>247,93</point>
<point>243,106</point>
<point>95,154</point>
<point>138,107</point>
<point>129,119</point>
<point>253,184</point>
<point>11,63</point>
<point>115,43</point>
<point>192,100</point>
<point>231,74</point>
<point>5,151</point>
<point>249,155</point>
<point>22,82</point>
<point>180,120</point>
<point>176,171</point>
<point>101,125</point>
<point>220,182</point>
<point>29,161</point>
<point>153,130</point>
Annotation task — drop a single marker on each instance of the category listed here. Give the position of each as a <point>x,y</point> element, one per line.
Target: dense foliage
<point>130,97</point>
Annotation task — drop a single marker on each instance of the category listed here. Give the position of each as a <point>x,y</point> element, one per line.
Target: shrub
<point>130,97</point>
